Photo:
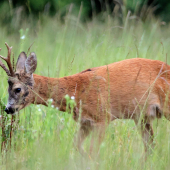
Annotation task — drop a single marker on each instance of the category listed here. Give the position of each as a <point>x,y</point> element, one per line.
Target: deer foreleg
<point>83,132</point>
<point>97,138</point>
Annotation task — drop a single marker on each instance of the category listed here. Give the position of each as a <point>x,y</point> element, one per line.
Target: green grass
<point>43,137</point>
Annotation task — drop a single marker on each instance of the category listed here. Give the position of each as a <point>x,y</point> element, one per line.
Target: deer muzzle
<point>9,110</point>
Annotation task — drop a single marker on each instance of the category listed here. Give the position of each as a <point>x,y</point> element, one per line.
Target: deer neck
<point>46,88</point>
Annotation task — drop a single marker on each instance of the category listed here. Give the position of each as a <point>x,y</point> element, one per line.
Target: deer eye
<point>17,90</point>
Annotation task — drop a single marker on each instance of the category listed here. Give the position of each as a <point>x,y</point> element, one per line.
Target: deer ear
<point>21,61</point>
<point>31,63</point>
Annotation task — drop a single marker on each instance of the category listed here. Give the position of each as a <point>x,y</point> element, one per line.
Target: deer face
<point>20,82</point>
<point>20,91</point>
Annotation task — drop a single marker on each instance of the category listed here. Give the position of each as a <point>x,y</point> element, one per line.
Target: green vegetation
<point>43,137</point>
<point>14,12</point>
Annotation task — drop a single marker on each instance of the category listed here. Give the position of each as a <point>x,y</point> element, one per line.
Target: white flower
<point>52,106</point>
<point>72,97</point>
<point>0,116</point>
<point>57,108</point>
<point>50,100</point>
<point>23,37</point>
<point>39,110</point>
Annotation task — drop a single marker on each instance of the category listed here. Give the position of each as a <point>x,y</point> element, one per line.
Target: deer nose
<point>9,110</point>
<point>6,110</point>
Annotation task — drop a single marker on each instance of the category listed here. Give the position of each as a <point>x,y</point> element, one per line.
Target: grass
<point>43,137</point>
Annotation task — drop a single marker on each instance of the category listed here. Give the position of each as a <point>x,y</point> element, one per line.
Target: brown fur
<point>123,89</point>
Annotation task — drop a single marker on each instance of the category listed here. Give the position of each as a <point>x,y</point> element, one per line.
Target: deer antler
<point>9,72</point>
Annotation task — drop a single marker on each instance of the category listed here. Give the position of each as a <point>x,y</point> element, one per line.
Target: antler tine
<point>4,67</point>
<point>9,72</point>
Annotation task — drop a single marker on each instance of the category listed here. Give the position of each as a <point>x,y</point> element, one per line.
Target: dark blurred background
<point>15,11</point>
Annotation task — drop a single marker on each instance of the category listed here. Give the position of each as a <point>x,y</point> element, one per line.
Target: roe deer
<point>135,89</point>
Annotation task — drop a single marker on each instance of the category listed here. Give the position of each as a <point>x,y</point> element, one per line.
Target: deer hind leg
<point>147,135</point>
<point>154,111</point>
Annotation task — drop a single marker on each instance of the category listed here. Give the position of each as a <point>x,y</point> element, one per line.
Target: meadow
<point>43,137</point>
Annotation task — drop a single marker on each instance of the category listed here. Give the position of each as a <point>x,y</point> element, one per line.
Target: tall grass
<point>43,137</point>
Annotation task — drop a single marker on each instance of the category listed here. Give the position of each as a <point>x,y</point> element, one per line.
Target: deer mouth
<point>11,110</point>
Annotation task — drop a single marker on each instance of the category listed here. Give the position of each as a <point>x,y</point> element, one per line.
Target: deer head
<point>20,82</point>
